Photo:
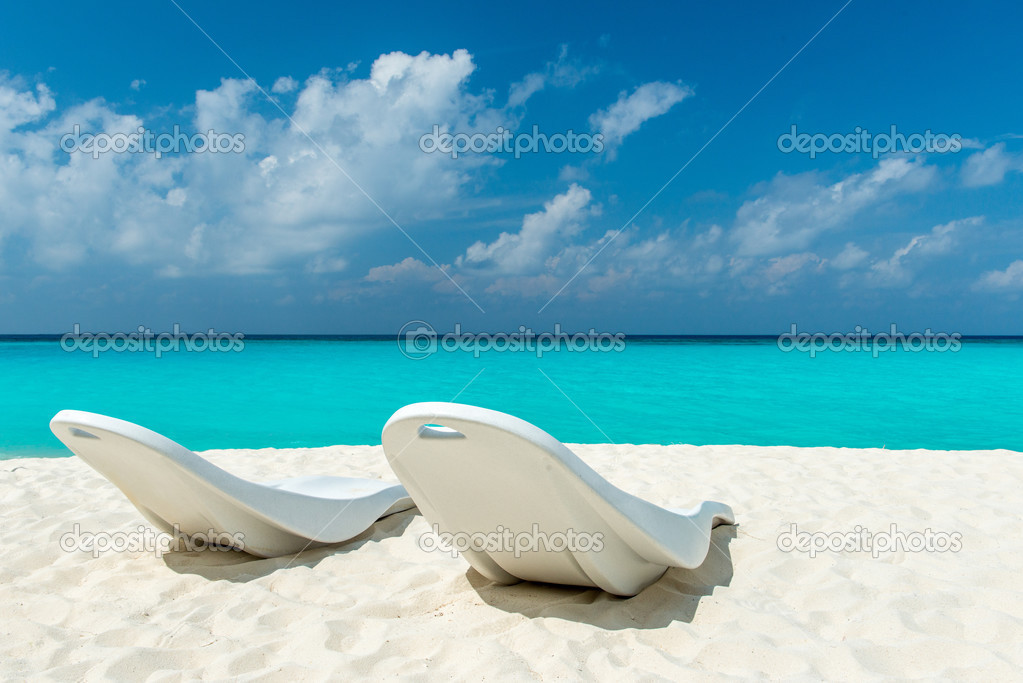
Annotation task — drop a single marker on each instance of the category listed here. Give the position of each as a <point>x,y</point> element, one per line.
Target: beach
<point>845,594</point>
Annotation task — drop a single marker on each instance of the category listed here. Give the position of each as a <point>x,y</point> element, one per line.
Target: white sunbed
<point>496,483</point>
<point>172,486</point>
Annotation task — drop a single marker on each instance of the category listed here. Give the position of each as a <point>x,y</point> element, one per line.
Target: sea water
<point>300,392</point>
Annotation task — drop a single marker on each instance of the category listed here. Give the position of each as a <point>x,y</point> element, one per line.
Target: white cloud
<point>795,210</point>
<point>193,247</point>
<point>138,84</point>
<point>284,84</point>
<point>538,259</point>
<point>528,250</point>
<point>990,166</point>
<point>896,271</point>
<point>627,114</point>
<point>177,197</point>
<point>560,73</point>
<point>64,211</point>
<point>551,248</point>
<point>780,271</point>
<point>711,236</point>
<point>850,257</point>
<point>526,88</point>
<point>786,265</point>
<point>1010,279</point>
<point>281,203</point>
<point>570,174</point>
<point>410,269</point>
<point>19,105</point>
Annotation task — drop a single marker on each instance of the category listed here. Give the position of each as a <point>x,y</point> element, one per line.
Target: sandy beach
<point>380,606</point>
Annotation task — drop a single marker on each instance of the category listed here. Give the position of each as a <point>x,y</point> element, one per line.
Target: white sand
<point>380,606</point>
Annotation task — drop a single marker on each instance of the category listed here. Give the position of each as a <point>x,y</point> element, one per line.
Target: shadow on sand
<point>674,597</point>
<point>239,567</point>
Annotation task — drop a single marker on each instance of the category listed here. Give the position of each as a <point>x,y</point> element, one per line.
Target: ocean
<point>299,392</point>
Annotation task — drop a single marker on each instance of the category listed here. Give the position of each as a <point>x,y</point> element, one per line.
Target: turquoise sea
<point>322,391</point>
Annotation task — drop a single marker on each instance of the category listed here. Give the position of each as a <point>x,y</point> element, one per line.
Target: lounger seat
<point>178,491</point>
<point>507,488</point>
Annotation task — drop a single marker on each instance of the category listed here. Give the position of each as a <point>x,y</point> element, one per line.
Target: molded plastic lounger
<point>490,478</point>
<point>171,485</point>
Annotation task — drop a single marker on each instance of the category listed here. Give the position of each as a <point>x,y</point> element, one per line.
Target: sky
<point>684,205</point>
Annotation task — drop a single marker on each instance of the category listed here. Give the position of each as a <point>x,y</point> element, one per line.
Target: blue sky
<point>744,239</point>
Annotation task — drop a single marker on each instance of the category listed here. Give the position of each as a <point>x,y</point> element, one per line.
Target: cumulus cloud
<point>19,104</point>
<point>284,84</point>
<point>408,270</point>
<point>990,166</point>
<point>285,201</point>
<point>630,111</point>
<point>528,248</point>
<point>556,243</point>
<point>63,211</point>
<point>285,205</point>
<point>552,245</point>
<point>1010,279</point>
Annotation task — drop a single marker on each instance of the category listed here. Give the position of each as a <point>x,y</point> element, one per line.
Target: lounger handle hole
<point>431,431</point>
<point>82,434</point>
